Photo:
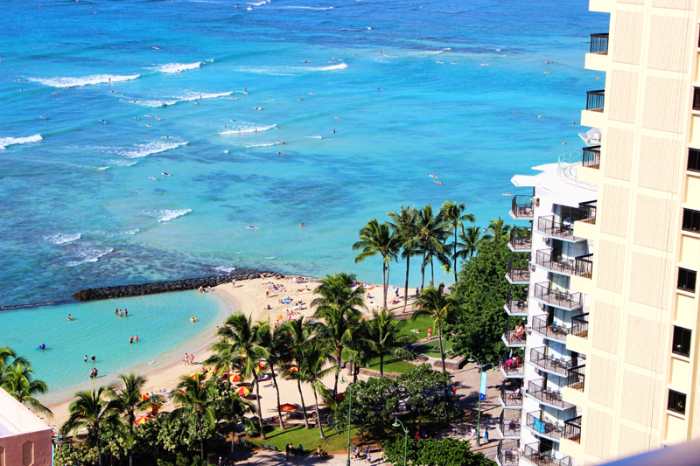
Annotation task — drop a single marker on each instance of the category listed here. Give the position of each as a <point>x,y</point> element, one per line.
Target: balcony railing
<point>579,325</point>
<point>557,264</point>
<point>552,331</point>
<point>572,429</point>
<point>509,422</point>
<point>696,99</point>
<point>557,297</point>
<point>588,211</point>
<point>508,454</point>
<point>511,398</point>
<point>534,453</point>
<point>521,244</point>
<point>522,207</point>
<point>549,397</point>
<point>534,421</point>
<point>550,227</point>
<point>521,276</point>
<point>584,266</point>
<point>513,367</point>
<point>557,365</point>
<point>599,43</point>
<point>591,157</point>
<point>595,100</point>
<point>513,338</point>
<point>576,380</point>
<point>516,306</point>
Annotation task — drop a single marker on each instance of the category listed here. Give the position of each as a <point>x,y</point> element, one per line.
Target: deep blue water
<point>78,207</point>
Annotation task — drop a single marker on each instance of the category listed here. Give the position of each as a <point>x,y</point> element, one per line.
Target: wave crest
<point>10,141</point>
<point>247,130</point>
<point>89,254</point>
<point>175,67</point>
<point>62,238</point>
<point>165,215</point>
<point>85,80</point>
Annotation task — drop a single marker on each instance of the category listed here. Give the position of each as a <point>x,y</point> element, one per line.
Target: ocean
<point>86,138</point>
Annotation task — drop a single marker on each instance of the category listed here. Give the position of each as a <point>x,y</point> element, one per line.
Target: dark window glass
<point>696,99</point>
<point>686,279</point>
<point>694,160</point>
<point>676,401</point>
<point>681,341</point>
<point>691,220</point>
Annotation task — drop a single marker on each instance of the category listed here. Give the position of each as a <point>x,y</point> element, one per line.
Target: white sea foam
<point>340,66</point>
<point>247,130</point>
<point>89,254</point>
<point>307,8</point>
<point>85,80</point>
<point>224,269</point>
<point>188,97</point>
<point>273,71</point>
<point>62,238</point>
<point>292,70</point>
<point>122,163</point>
<point>314,137</point>
<point>175,67</point>
<point>103,168</point>
<point>4,142</point>
<point>257,3</point>
<point>141,150</point>
<point>262,144</point>
<point>165,215</point>
<point>118,233</point>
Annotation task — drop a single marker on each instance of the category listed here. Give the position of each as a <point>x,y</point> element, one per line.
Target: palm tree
<point>7,359</point>
<point>126,399</point>
<point>91,410</point>
<point>376,238</point>
<point>197,399</point>
<point>453,215</point>
<point>404,226</point>
<point>431,232</point>
<point>19,382</point>
<point>312,369</point>
<point>383,337</point>
<point>278,353</point>
<point>337,307</point>
<point>241,347</point>
<point>298,336</point>
<point>497,231</point>
<point>232,409</point>
<point>469,243</point>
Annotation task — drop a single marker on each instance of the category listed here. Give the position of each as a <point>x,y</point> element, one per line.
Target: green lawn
<point>429,349</point>
<point>310,439</point>
<point>422,324</point>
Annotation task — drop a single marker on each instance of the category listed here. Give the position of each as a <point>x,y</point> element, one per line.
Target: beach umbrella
<point>145,397</point>
<point>293,369</point>
<point>288,408</point>
<point>152,409</point>
<point>195,374</point>
<point>243,391</point>
<point>142,420</point>
<point>234,378</point>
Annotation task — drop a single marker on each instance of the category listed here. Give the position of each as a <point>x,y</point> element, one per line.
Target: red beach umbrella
<point>243,391</point>
<point>288,408</point>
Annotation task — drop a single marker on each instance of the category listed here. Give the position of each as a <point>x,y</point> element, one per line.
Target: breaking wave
<point>4,142</point>
<point>86,80</point>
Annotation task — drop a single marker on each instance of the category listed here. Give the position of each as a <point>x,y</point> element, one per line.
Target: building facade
<point>25,440</point>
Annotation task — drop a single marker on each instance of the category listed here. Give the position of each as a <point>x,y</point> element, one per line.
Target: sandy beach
<point>257,298</point>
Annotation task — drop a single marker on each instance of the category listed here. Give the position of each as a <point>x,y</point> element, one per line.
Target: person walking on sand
<point>191,359</point>
<point>186,359</point>
<point>233,283</point>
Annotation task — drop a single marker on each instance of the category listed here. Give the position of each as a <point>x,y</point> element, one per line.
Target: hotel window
<point>696,99</point>
<point>694,160</point>
<point>681,341</point>
<point>686,279</point>
<point>691,220</point>
<point>676,402</point>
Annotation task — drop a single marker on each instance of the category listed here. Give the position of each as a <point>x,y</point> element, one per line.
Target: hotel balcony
<point>554,263</point>
<point>551,331</point>
<point>508,453</point>
<point>551,364</point>
<point>572,429</point>
<point>517,276</point>
<point>513,339</point>
<point>590,157</point>
<point>523,244</point>
<point>557,229</point>
<point>584,266</point>
<point>588,212</point>
<point>543,427</point>
<point>509,423</point>
<point>540,455</point>
<point>599,43</point>
<point>522,208</point>
<point>513,368</point>
<point>579,326</point>
<point>593,115</point>
<point>508,397</point>
<point>515,307</point>
<point>576,380</point>
<point>547,397</point>
<point>560,298</point>
<point>595,101</point>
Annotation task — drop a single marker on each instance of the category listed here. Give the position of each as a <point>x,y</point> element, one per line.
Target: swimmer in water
<point>42,346</point>
<point>438,182</point>
<point>380,89</point>
<point>86,358</point>
<point>70,317</point>
<point>136,119</point>
<point>302,225</point>
<point>131,339</point>
<point>197,103</point>
<point>280,153</point>
<point>154,178</point>
<point>165,137</point>
<point>334,131</point>
<point>149,125</point>
<point>166,174</point>
<point>338,117</point>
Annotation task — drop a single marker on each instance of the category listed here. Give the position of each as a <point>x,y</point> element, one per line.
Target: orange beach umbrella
<point>288,408</point>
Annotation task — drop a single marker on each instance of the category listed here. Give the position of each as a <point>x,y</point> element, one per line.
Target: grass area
<point>310,439</point>
<point>422,324</point>
<point>429,349</point>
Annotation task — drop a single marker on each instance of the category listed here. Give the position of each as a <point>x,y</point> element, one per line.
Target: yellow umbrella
<point>142,420</point>
<point>243,390</point>
<point>234,378</point>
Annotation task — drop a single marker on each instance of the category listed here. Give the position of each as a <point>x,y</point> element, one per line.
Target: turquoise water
<point>78,205</point>
<point>161,322</point>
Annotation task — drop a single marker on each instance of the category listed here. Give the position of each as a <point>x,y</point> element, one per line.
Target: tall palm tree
<point>91,410</point>
<point>19,382</point>
<point>7,359</point>
<point>454,216</point>
<point>232,409</point>
<point>497,231</point>
<point>337,306</point>
<point>278,354</point>
<point>431,232</point>
<point>404,225</point>
<point>240,346</point>
<point>198,400</point>
<point>376,238</point>
<point>312,369</point>
<point>383,337</point>
<point>298,336</point>
<point>470,240</point>
<point>126,399</point>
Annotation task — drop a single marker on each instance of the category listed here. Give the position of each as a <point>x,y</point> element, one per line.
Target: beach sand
<point>249,297</point>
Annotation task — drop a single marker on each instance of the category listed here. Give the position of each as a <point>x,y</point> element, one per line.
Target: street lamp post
<point>349,425</point>
<point>398,423</point>
<point>478,419</point>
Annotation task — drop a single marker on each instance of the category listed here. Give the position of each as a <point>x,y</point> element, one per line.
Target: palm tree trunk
<point>131,432</point>
<point>381,365</point>
<point>233,438</point>
<point>384,281</point>
<point>257,396</point>
<point>432,272</point>
<point>405,291</point>
<point>386,288</point>
<point>97,443</point>
<point>454,259</point>
<point>303,406</point>
<point>318,418</point>
<point>201,437</point>
<point>277,389</point>
<point>422,273</point>
<point>442,355</point>
<point>339,358</point>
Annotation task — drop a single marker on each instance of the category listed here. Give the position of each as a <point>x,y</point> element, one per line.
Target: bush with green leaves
<point>431,452</point>
<point>70,455</point>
